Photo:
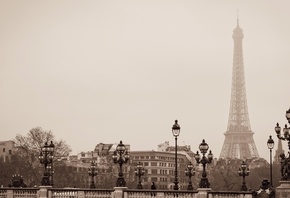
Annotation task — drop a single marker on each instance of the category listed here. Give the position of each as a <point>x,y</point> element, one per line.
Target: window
<point>154,171</point>
<point>10,151</point>
<point>153,163</point>
<point>154,179</point>
<point>3,150</point>
<point>146,163</point>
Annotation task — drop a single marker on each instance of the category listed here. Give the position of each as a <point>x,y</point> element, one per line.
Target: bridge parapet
<point>230,194</point>
<point>19,192</point>
<point>118,192</point>
<point>159,194</point>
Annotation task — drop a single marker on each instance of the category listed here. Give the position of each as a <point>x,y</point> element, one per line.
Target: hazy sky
<point>105,71</point>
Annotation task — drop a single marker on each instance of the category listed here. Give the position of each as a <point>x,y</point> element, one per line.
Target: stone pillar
<point>81,194</point>
<point>202,192</point>
<point>119,192</point>
<point>160,195</point>
<point>10,194</point>
<point>43,192</point>
<point>283,191</point>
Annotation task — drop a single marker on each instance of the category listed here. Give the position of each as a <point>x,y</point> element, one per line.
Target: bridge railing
<point>19,192</point>
<point>159,193</point>
<point>79,193</point>
<point>230,194</point>
<point>118,192</point>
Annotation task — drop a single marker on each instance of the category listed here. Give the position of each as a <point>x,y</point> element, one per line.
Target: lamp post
<point>139,172</point>
<point>285,160</point>
<point>176,132</point>
<point>189,172</point>
<point>243,172</point>
<point>121,156</point>
<point>270,144</point>
<point>46,158</point>
<point>93,172</point>
<point>203,147</point>
<point>17,181</point>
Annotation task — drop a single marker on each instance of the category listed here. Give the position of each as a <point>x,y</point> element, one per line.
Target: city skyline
<point>98,71</point>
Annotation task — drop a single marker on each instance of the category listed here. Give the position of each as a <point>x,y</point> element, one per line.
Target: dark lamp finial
<point>176,129</point>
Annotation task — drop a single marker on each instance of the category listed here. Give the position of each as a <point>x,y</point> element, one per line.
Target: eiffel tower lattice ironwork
<point>239,142</point>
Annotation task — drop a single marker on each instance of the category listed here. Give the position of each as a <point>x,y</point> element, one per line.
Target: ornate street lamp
<point>17,181</point>
<point>46,158</point>
<point>243,172</point>
<point>139,172</point>
<point>189,172</point>
<point>270,144</point>
<point>93,172</point>
<point>121,156</point>
<point>203,147</point>
<point>285,160</point>
<point>176,132</point>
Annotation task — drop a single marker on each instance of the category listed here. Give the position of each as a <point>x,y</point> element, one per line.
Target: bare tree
<point>28,148</point>
<point>30,145</point>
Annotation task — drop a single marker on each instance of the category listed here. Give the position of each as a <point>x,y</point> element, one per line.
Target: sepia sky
<point>105,71</point>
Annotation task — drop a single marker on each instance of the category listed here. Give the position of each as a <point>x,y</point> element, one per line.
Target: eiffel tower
<point>239,142</point>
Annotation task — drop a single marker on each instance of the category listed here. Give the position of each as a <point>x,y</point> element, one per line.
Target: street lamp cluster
<point>139,172</point>
<point>203,147</point>
<point>190,171</point>
<point>46,158</point>
<point>17,181</point>
<point>92,173</point>
<point>285,160</point>
<point>243,172</point>
<point>121,156</point>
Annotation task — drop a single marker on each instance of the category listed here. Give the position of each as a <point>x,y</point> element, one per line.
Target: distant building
<point>186,150</point>
<point>160,168</point>
<point>6,149</point>
<point>163,146</point>
<point>159,165</point>
<point>99,154</point>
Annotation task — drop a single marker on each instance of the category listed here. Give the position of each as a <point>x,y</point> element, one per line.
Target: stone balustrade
<point>117,192</point>
<point>226,194</point>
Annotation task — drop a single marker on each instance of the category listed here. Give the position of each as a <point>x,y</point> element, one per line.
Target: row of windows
<point>9,151</point>
<point>157,157</point>
<point>165,179</point>
<point>163,164</point>
<point>163,172</point>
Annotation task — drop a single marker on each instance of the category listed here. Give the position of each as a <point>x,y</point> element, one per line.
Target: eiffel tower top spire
<point>237,18</point>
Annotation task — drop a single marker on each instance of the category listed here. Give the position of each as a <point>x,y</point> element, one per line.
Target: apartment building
<point>160,168</point>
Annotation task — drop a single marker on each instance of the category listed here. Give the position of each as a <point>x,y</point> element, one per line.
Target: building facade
<point>6,149</point>
<point>160,168</point>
